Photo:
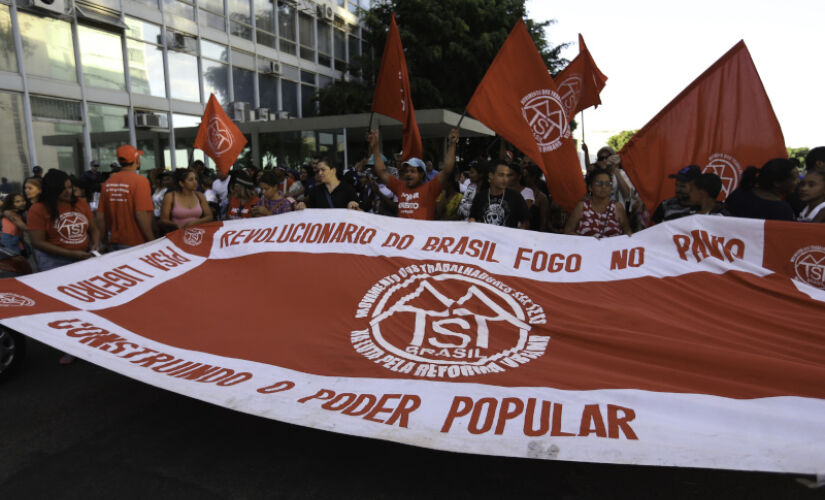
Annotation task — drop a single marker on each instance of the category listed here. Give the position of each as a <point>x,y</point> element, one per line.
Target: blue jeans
<point>11,242</point>
<point>47,261</point>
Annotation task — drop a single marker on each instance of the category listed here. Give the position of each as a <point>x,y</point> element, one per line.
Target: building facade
<point>80,77</point>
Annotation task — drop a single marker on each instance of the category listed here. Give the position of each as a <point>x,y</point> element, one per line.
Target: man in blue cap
<point>679,206</point>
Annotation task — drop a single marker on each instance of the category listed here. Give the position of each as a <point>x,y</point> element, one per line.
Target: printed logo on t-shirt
<point>497,211</point>
<point>71,228</point>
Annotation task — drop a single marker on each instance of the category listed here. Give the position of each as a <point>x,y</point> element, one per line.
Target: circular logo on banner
<point>544,113</point>
<point>809,265</point>
<point>71,227</point>
<point>570,89</point>
<point>448,320</point>
<point>14,300</point>
<point>193,236</point>
<point>727,168</point>
<point>219,136</point>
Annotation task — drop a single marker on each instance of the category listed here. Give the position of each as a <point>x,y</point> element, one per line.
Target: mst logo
<point>727,168</point>
<point>809,264</point>
<point>218,136</point>
<point>448,320</point>
<point>193,236</point>
<point>544,113</point>
<point>15,300</point>
<point>570,89</point>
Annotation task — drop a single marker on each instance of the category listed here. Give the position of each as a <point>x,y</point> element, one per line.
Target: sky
<point>651,50</point>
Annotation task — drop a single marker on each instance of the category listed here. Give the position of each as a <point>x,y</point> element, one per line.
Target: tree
<point>618,141</point>
<point>799,154</point>
<point>449,45</point>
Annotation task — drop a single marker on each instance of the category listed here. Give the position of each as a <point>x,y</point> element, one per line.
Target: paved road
<point>80,431</point>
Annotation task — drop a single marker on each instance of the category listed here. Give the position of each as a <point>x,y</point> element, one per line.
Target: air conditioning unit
<point>262,114</point>
<point>281,115</point>
<point>326,12</point>
<point>240,111</point>
<point>179,42</point>
<point>56,6</point>
<point>150,120</point>
<point>271,68</point>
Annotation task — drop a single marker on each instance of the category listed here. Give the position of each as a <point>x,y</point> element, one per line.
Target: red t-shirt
<point>70,230</point>
<point>418,203</point>
<point>236,211</point>
<point>125,193</point>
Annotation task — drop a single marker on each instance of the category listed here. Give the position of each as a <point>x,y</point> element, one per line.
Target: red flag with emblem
<point>392,93</point>
<point>723,122</point>
<point>581,82</point>
<point>518,99</point>
<point>218,136</point>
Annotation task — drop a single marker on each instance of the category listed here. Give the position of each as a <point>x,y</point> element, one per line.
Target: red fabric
<point>236,211</point>
<point>70,230</point>
<point>418,203</point>
<point>580,83</point>
<point>518,99</point>
<point>392,93</point>
<point>218,136</point>
<point>723,122</point>
<point>123,194</point>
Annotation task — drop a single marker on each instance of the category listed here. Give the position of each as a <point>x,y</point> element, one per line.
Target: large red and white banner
<point>696,343</point>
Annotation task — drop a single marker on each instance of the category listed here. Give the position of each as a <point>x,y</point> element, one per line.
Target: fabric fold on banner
<point>519,101</point>
<point>723,122</point>
<point>580,83</point>
<point>218,136</point>
<point>692,343</point>
<point>392,93</point>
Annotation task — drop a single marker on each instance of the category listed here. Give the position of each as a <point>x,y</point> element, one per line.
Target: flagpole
<point>463,114</point>
<point>581,113</point>
<point>369,127</point>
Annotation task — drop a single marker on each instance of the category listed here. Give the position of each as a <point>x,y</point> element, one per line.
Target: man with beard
<point>679,206</point>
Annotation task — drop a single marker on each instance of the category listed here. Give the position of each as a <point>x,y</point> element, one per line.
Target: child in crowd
<point>13,224</point>
<point>242,197</point>
<point>273,201</point>
<point>703,194</point>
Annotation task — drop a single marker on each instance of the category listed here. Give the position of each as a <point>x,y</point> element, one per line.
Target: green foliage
<point>449,45</point>
<point>618,141</point>
<point>799,154</point>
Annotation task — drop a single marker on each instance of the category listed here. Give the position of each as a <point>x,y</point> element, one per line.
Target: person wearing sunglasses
<point>598,215</point>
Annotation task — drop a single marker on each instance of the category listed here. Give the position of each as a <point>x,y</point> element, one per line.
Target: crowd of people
<point>58,218</point>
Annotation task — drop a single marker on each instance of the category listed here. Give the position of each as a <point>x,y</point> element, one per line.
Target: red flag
<point>218,136</point>
<point>723,122</point>
<point>518,99</point>
<point>581,82</point>
<point>392,92</point>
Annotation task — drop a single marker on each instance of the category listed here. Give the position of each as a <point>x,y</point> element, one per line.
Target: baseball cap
<point>687,174</point>
<point>128,154</point>
<point>415,162</point>
<point>94,163</point>
<point>242,178</point>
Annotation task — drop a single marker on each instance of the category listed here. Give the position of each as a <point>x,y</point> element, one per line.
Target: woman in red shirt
<point>61,227</point>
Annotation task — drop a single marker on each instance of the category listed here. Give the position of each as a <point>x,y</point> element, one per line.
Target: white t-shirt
<point>528,194</point>
<point>808,214</point>
<point>221,189</point>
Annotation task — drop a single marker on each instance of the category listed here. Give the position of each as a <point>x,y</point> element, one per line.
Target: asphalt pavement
<point>80,431</point>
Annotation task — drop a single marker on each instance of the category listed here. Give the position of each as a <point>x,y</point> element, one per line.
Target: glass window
<point>243,84</point>
<point>215,80</point>
<point>307,101</point>
<point>244,59</point>
<point>340,50</point>
<point>146,68</point>
<point>215,6</point>
<point>352,7</point>
<point>289,97</point>
<point>142,30</point>
<point>58,133</point>
<point>264,15</point>
<point>214,21</point>
<point>214,51</point>
<point>14,149</point>
<point>150,3</point>
<point>102,58</point>
<point>183,81</point>
<point>106,118</point>
<point>179,9</point>
<point>324,81</point>
<point>186,121</point>
<point>307,36</point>
<point>290,72</point>
<point>268,87</point>
<point>8,60</point>
<point>286,21</point>
<point>309,145</point>
<point>280,148</point>
<point>47,47</point>
<point>307,77</point>
<point>354,46</point>
<point>148,160</point>
<point>240,17</point>
<point>324,42</point>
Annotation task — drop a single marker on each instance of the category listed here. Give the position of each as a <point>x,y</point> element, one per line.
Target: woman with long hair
<point>184,206</point>
<point>598,216</point>
<point>761,193</point>
<point>32,189</point>
<point>13,224</point>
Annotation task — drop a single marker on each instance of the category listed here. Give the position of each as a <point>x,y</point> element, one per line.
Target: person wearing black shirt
<point>499,205</point>
<point>330,192</point>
